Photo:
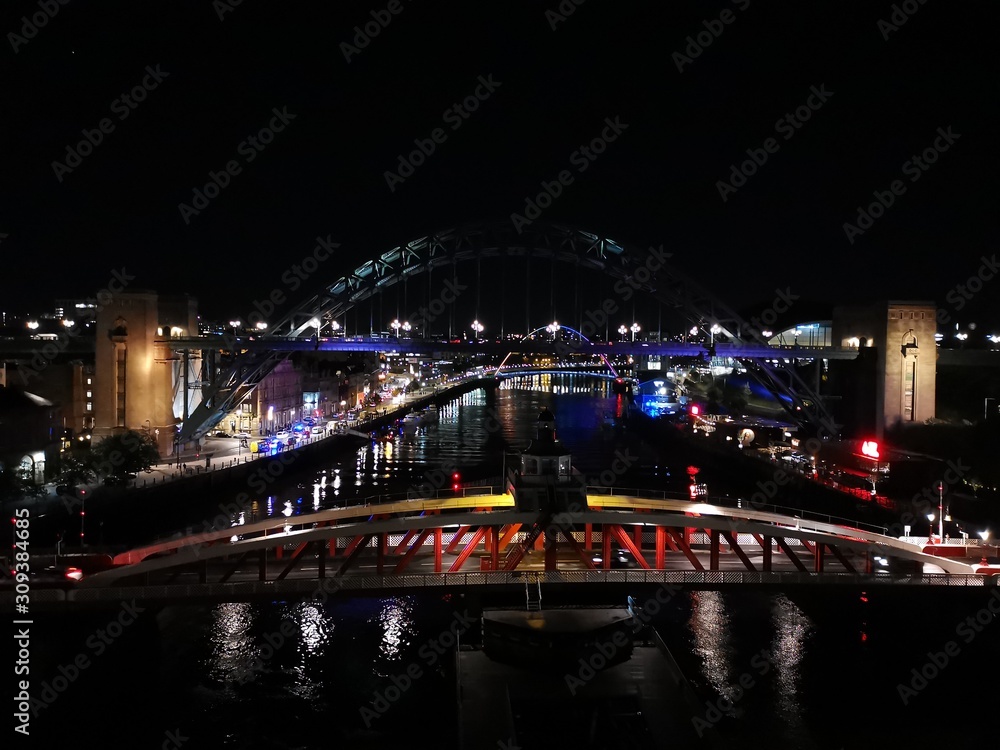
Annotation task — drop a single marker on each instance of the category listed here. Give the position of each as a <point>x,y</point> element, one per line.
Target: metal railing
<point>738,504</point>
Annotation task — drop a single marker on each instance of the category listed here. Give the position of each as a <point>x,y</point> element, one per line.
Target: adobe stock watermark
<point>363,36</point>
<point>430,653</point>
<point>561,12</point>
<point>48,9</point>
<point>960,294</point>
<point>761,663</point>
<point>294,276</point>
<point>249,149</point>
<point>123,106</point>
<point>97,643</point>
<point>598,316</point>
<point>582,158</point>
<point>437,307</point>
<point>785,127</point>
<point>454,116</point>
<point>901,13</point>
<point>914,167</point>
<point>703,39</point>
<point>782,303</point>
<point>222,7</point>
<point>41,357</point>
<point>968,629</point>
<point>604,652</point>
<point>287,630</point>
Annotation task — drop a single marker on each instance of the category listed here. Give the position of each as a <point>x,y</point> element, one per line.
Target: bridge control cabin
<point>546,479</point>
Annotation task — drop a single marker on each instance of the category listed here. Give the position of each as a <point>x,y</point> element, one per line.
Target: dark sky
<point>324,174</point>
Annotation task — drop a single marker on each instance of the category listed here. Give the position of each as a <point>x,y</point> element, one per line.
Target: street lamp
<point>407,328</point>
<point>635,329</point>
<point>622,330</point>
<point>32,324</point>
<point>69,323</point>
<point>478,328</point>
<point>261,325</point>
<point>714,330</point>
<point>235,325</point>
<point>930,530</point>
<point>940,488</point>
<point>552,328</point>
<point>396,325</point>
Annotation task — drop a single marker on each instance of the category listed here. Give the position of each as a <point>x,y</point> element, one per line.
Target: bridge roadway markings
<point>673,513</point>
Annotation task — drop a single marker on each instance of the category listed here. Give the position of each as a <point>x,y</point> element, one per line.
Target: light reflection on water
<point>233,644</point>
<point>395,618</point>
<point>709,625</point>
<point>792,631</point>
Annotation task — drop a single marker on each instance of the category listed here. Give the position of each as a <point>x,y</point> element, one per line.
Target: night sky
<point>871,96</point>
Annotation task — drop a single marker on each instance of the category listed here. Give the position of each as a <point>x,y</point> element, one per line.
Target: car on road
<point>118,480</point>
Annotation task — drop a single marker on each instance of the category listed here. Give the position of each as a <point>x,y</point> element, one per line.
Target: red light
<point>695,410</point>
<point>870,448</point>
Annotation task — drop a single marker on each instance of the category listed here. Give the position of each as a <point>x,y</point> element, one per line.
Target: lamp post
<point>940,489</point>
<point>235,325</point>
<point>930,529</point>
<point>623,330</point>
<point>407,328</point>
<point>714,330</point>
<point>635,329</point>
<point>693,332</point>
<point>553,328</point>
<point>396,325</point>
<point>478,328</point>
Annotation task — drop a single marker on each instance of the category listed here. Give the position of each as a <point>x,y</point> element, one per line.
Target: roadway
<point>533,346</point>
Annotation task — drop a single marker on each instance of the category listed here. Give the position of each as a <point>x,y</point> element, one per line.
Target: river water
<point>813,668</point>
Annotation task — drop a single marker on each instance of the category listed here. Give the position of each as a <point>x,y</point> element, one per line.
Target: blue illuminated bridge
<point>429,265</point>
<point>476,539</point>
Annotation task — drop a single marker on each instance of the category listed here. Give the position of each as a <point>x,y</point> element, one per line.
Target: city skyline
<point>199,148</point>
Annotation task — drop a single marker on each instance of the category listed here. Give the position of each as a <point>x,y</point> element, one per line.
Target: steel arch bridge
<point>645,271</point>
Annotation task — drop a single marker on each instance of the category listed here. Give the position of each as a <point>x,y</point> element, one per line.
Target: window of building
<point>90,381</point>
<point>90,406</point>
<point>90,394</point>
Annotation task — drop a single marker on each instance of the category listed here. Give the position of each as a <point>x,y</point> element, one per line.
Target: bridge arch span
<point>633,270</point>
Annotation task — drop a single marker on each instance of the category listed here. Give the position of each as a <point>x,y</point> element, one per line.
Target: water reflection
<point>233,646</point>
<point>711,631</point>
<point>792,629</point>
<point>395,617</point>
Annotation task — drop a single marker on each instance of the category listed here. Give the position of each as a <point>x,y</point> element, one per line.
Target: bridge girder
<point>645,271</point>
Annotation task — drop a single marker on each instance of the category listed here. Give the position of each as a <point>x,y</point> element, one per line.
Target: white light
<point>854,341</point>
<point>314,322</point>
<point>984,535</point>
<point>767,334</point>
<point>694,330</point>
<point>32,324</point>
<point>715,328</point>
<point>234,323</point>
<point>261,325</point>
<point>69,323</point>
